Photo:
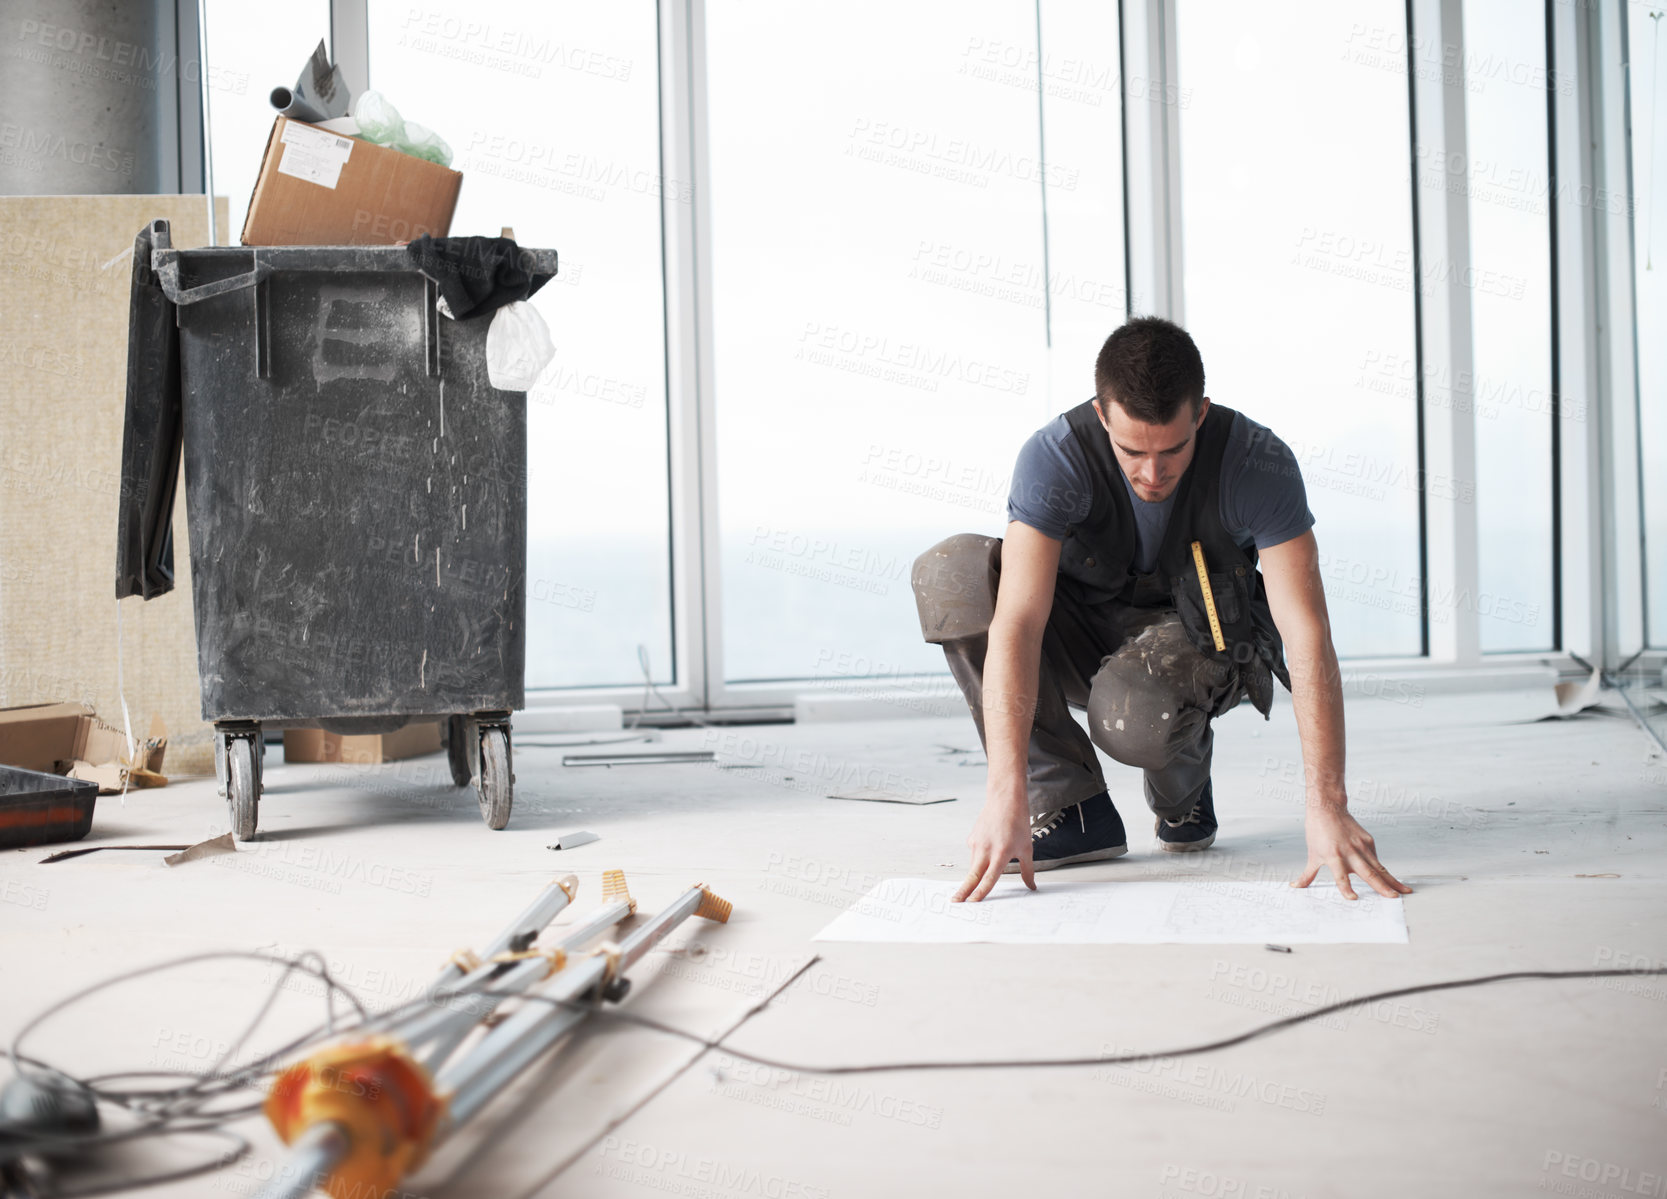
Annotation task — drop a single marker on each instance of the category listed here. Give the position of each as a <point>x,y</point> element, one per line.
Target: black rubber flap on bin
<point>42,809</point>
<point>151,435</point>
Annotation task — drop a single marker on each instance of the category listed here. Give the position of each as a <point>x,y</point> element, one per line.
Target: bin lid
<point>151,433</point>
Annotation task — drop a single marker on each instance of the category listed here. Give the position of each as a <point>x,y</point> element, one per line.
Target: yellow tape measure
<point>1209,597</point>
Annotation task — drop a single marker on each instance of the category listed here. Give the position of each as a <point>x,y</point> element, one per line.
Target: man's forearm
<point>1011,668</point>
<point>1317,696</point>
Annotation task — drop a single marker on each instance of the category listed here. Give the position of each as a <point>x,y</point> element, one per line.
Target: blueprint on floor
<point>1201,912</point>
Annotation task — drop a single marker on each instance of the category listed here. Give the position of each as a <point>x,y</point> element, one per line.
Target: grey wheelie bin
<point>356,494</point>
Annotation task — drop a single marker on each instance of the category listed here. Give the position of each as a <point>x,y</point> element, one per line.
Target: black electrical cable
<point>648,688</point>
<point>240,1147</point>
<point>1123,1059</point>
<point>162,1110</point>
<point>321,972</point>
<point>212,1082</point>
<point>181,1110</point>
<point>180,1116</point>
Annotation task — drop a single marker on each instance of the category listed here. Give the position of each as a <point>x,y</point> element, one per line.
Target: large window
<point>1081,107</point>
<point>909,222</point>
<point>552,110</point>
<point>1648,112</point>
<point>1505,173</point>
<point>1297,239</point>
<point>885,291</point>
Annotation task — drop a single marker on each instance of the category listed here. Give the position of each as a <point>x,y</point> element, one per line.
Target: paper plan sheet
<point>1194,911</point>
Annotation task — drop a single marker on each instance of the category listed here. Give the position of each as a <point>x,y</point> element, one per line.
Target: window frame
<point>1598,558</point>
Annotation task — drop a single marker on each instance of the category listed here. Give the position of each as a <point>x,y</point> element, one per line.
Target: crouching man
<point>1158,567</point>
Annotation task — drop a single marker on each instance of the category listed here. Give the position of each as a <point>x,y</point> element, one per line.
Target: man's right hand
<point>1001,833</point>
<point>1012,664</point>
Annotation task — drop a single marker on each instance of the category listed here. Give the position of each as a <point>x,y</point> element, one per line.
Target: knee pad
<point>1132,716</point>
<point>955,587</point>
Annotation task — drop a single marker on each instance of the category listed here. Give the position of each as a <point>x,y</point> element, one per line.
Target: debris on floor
<point>645,759</point>
<point>365,749</point>
<point>66,854</point>
<point>212,848</point>
<point>112,777</point>
<point>1574,698</point>
<point>70,739</point>
<point>896,795</point>
<point>573,840</point>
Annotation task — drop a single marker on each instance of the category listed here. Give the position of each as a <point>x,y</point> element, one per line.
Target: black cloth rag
<point>477,275</point>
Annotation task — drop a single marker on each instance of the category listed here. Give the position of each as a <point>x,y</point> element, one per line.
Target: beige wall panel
<point>64,272</point>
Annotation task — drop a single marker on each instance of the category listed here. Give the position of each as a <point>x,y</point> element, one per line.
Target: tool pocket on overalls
<point>1195,614</point>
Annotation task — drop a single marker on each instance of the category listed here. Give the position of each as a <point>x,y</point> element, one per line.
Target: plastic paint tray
<point>42,809</point>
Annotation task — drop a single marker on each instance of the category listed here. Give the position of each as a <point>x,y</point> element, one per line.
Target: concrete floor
<point>1530,845</point>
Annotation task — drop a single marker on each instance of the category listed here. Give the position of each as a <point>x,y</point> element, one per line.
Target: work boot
<point>1090,831</point>
<point>1194,831</point>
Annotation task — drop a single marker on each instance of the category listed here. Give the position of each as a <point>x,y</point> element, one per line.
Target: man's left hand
<point>1335,839</point>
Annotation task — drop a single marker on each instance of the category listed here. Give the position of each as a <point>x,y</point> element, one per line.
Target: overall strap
<point>1084,423</point>
<point>1197,512</point>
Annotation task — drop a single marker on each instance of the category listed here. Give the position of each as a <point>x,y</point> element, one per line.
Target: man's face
<point>1154,457</point>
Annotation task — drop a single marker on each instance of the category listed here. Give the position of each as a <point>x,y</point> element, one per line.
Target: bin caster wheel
<point>457,750</point>
<point>496,782</point>
<point>242,787</point>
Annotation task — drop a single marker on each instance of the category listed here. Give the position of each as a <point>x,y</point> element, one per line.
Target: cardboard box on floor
<point>318,188</point>
<point>316,745</point>
<point>70,739</point>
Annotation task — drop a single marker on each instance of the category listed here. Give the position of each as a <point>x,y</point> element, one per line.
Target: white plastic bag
<point>518,347</point>
<point>422,142</point>
<point>380,122</point>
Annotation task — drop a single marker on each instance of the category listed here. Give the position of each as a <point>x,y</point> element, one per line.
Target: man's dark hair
<point>1151,367</point>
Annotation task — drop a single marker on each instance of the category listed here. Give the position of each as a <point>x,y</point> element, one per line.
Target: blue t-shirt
<point>1263,500</point>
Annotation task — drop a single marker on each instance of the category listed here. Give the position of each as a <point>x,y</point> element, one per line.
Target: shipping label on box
<point>313,155</point>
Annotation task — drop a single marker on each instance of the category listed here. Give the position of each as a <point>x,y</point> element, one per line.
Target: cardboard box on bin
<point>316,745</point>
<point>318,188</point>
